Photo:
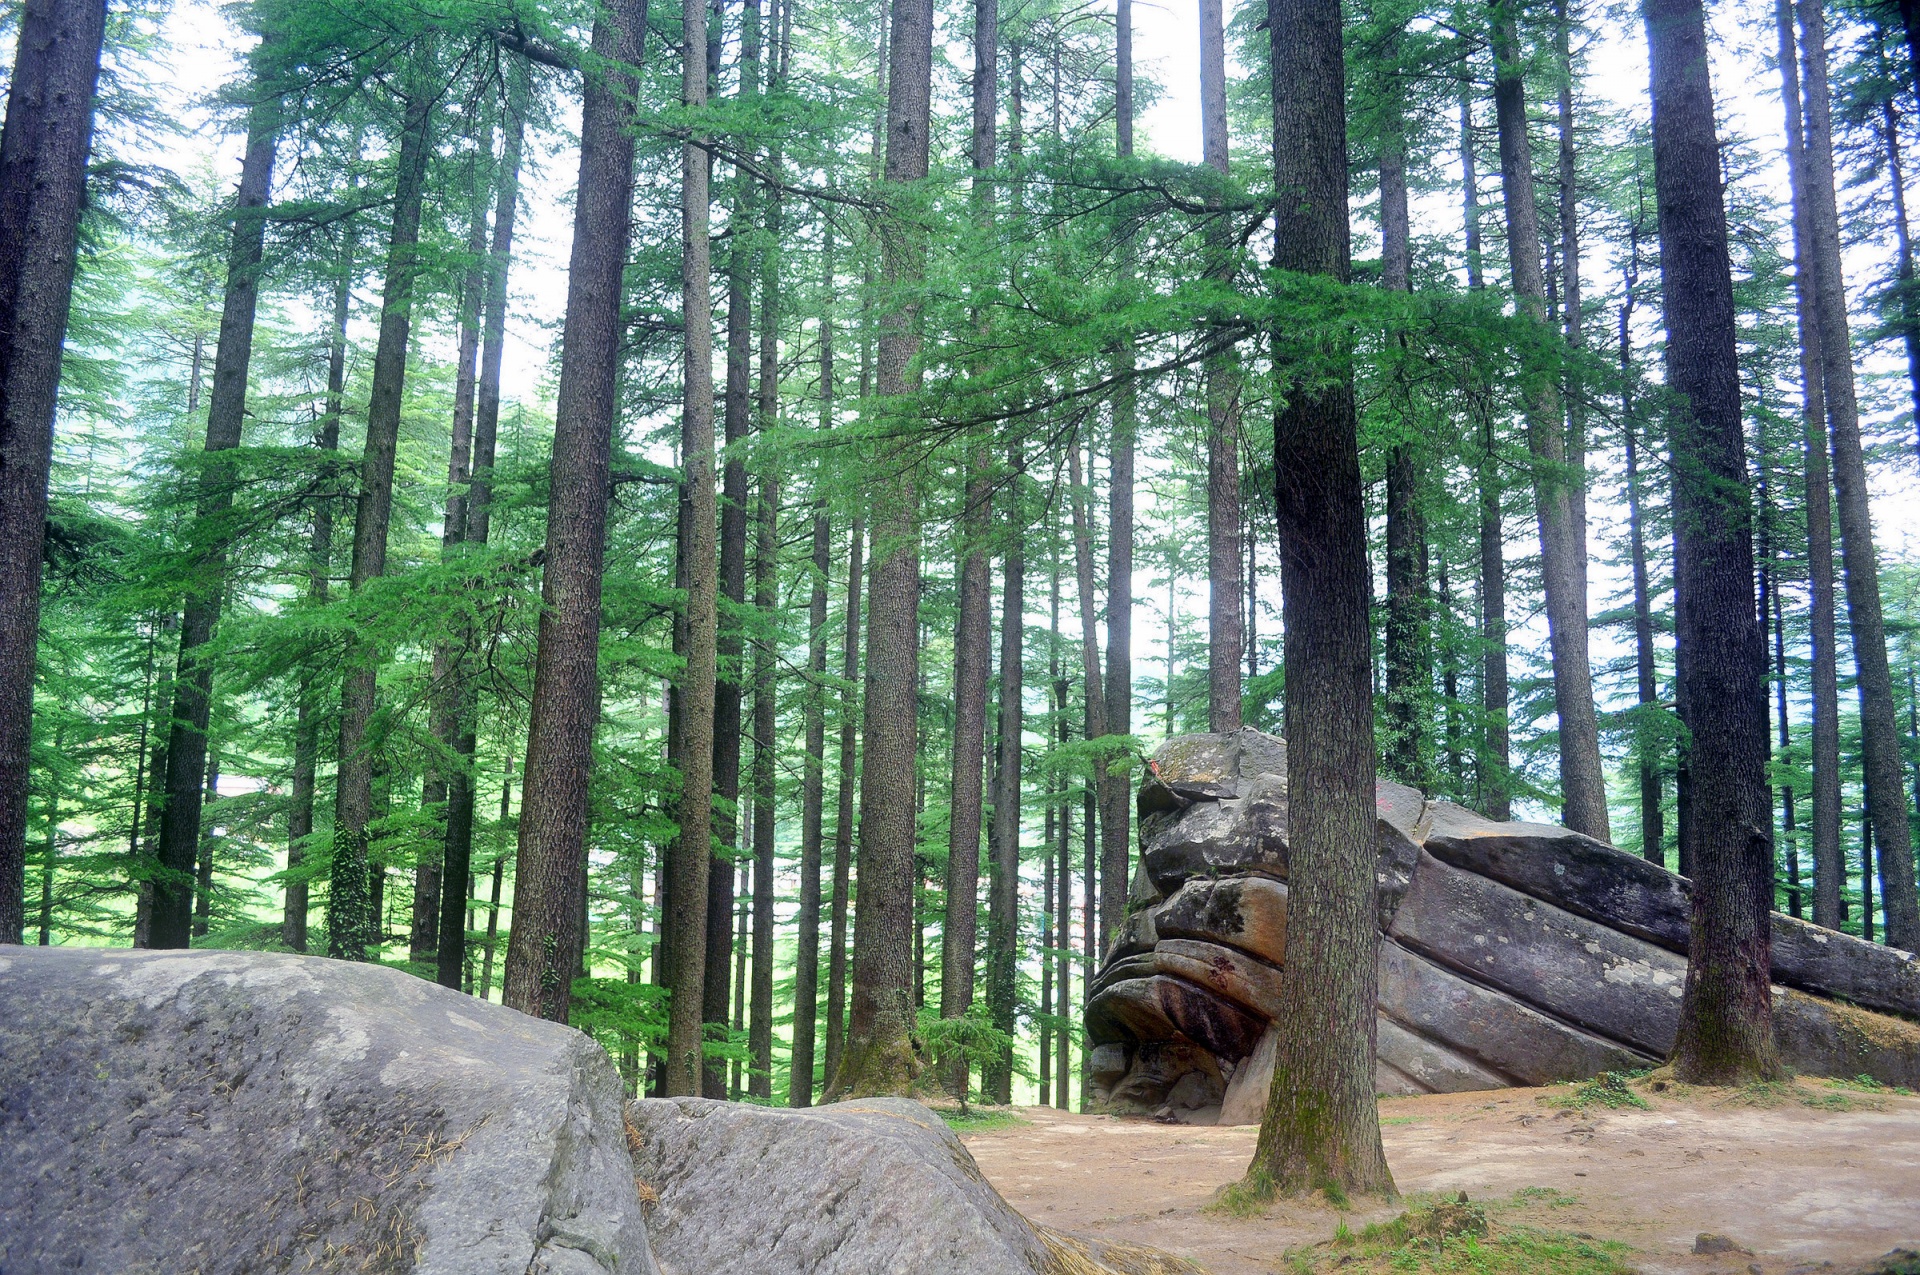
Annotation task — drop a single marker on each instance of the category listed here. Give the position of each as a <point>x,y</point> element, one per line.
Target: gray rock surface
<point>875,1187</point>
<point>252,1112</point>
<point>1512,953</point>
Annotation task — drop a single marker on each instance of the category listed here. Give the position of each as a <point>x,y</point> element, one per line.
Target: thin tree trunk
<point>499,870</point>
<point>765,601</point>
<point>203,873</point>
<point>1556,478</point>
<point>1003,907</point>
<point>1904,274</point>
<point>1653,834</point>
<point>878,1056</point>
<point>1110,914</point>
<point>351,920</point>
<point>548,921</point>
<point>1320,1129</point>
<point>1226,635</point>
<point>1866,624</point>
<point>1407,652</point>
<point>43,177</point>
<point>806,971</point>
<point>843,803</point>
<point>1494,764</point>
<point>173,896</point>
<point>306,733</point>
<point>685,925</point>
<point>1726,1013</point>
<point>478,517</point>
<point>449,673</point>
<point>1572,316</point>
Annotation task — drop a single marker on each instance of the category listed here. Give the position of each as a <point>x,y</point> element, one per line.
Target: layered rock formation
<point>245,1111</point>
<point>1511,953</point>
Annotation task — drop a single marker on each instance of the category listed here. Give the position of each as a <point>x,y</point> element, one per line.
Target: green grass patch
<point>1867,1084</point>
<point>981,1119</point>
<point>1387,1120</point>
<point>1608,1089</point>
<point>1457,1237</point>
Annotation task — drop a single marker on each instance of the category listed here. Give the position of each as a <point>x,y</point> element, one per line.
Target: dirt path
<point>1799,1185</point>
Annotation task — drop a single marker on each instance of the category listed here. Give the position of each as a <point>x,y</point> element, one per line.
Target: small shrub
<point>1608,1089</point>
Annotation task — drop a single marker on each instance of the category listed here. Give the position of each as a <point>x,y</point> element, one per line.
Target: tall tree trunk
<point>813,782</point>
<point>1823,672</point>
<point>351,920</point>
<point>1652,810</point>
<point>1563,565</point>
<point>1226,635</point>
<point>1321,1129</point>
<point>1572,317</point>
<point>173,896</point>
<point>1407,654</point>
<point>1726,1012</point>
<point>306,731</point>
<point>1058,684</point>
<point>766,598</point>
<point>878,1056</point>
<point>203,874</point>
<point>742,249</point>
<point>548,920</point>
<point>1494,764</point>
<point>43,177</point>
<point>1111,912</point>
<point>1003,909</point>
<point>685,937</point>
<point>1866,623</point>
<point>973,636</point>
<point>478,516</point>
<point>449,672</point>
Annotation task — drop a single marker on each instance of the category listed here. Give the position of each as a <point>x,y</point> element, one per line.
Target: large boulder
<point>875,1187</point>
<point>241,1112</point>
<point>1511,953</point>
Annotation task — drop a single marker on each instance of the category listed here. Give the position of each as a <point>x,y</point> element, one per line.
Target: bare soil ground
<point>1802,1175</point>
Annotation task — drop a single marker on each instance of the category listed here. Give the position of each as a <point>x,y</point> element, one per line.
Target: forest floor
<point>1797,1175</point>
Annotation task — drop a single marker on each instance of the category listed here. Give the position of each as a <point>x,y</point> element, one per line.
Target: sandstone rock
<point>1512,952</point>
<point>873,1187</point>
<point>1246,1098</point>
<point>237,1111</point>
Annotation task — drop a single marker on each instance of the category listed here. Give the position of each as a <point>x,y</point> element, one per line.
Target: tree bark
<point>1494,763</point>
<point>843,803</point>
<point>1563,566</point>
<point>879,1056</point>
<point>351,919</point>
<point>1879,730</point>
<point>1110,913</point>
<point>43,177</point>
<point>766,600</point>
<point>1407,649</point>
<point>173,895</point>
<point>1226,635</point>
<point>1903,267</point>
<point>548,921</point>
<point>1321,1129</point>
<point>1726,1013</point>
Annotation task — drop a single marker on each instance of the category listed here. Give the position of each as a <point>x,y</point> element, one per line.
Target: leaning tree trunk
<point>1563,562</point>
<point>1321,1129</point>
<point>1886,796</point>
<point>43,177</point>
<point>547,917</point>
<point>1829,867</point>
<point>350,905</point>
<point>879,1056</point>
<point>1726,1015</point>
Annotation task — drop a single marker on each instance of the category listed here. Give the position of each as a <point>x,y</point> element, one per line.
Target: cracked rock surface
<point>1511,953</point>
<point>257,1112</point>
